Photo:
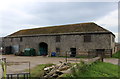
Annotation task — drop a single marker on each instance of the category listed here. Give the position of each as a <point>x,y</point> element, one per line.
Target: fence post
<point>4,67</point>
<point>17,76</point>
<point>66,57</point>
<point>29,70</point>
<point>102,56</point>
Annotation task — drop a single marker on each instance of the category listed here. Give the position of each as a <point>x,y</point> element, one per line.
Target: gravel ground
<point>112,60</point>
<point>36,60</point>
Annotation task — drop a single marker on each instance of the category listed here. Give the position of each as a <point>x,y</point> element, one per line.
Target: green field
<point>95,70</point>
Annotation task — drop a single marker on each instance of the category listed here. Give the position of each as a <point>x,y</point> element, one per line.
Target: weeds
<point>96,69</point>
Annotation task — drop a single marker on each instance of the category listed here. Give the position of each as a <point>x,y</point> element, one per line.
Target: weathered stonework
<point>98,41</point>
<point>75,39</point>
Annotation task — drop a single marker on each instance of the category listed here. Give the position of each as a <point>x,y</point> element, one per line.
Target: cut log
<point>55,71</point>
<point>54,75</point>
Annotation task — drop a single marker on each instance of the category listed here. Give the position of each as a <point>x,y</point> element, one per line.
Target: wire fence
<point>17,70</point>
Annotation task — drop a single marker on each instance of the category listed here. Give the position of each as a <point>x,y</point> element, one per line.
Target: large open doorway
<point>43,49</point>
<point>100,52</point>
<point>73,52</point>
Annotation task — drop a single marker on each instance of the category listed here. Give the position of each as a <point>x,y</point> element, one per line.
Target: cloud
<point>110,21</point>
<point>60,13</point>
<point>116,38</point>
<point>28,14</point>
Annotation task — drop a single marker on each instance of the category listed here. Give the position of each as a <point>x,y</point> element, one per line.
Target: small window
<point>87,38</point>
<point>58,50</point>
<point>57,38</point>
<point>21,39</point>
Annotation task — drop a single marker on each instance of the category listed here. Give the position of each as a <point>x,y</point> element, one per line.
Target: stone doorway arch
<point>43,49</point>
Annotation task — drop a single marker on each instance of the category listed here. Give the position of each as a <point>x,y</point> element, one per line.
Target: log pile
<point>56,70</point>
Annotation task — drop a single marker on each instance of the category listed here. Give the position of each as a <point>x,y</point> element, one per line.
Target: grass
<point>116,55</point>
<point>97,69</point>
<point>94,70</point>
<point>37,72</point>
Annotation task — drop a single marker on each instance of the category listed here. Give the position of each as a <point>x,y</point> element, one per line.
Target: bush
<point>79,68</point>
<point>116,55</point>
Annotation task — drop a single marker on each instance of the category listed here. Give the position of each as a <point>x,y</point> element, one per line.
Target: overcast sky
<point>23,14</point>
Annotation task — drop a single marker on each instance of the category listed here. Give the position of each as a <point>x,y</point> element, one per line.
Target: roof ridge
<point>68,28</point>
<point>59,25</point>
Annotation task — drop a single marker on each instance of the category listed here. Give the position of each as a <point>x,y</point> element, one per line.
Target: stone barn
<point>75,39</point>
<point>0,42</point>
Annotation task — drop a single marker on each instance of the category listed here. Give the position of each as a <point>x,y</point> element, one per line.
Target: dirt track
<point>36,60</point>
<point>112,60</point>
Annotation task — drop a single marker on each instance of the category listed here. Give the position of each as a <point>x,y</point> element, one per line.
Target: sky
<point>24,14</point>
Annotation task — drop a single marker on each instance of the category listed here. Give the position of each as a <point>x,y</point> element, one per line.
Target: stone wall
<point>0,41</point>
<point>98,41</point>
